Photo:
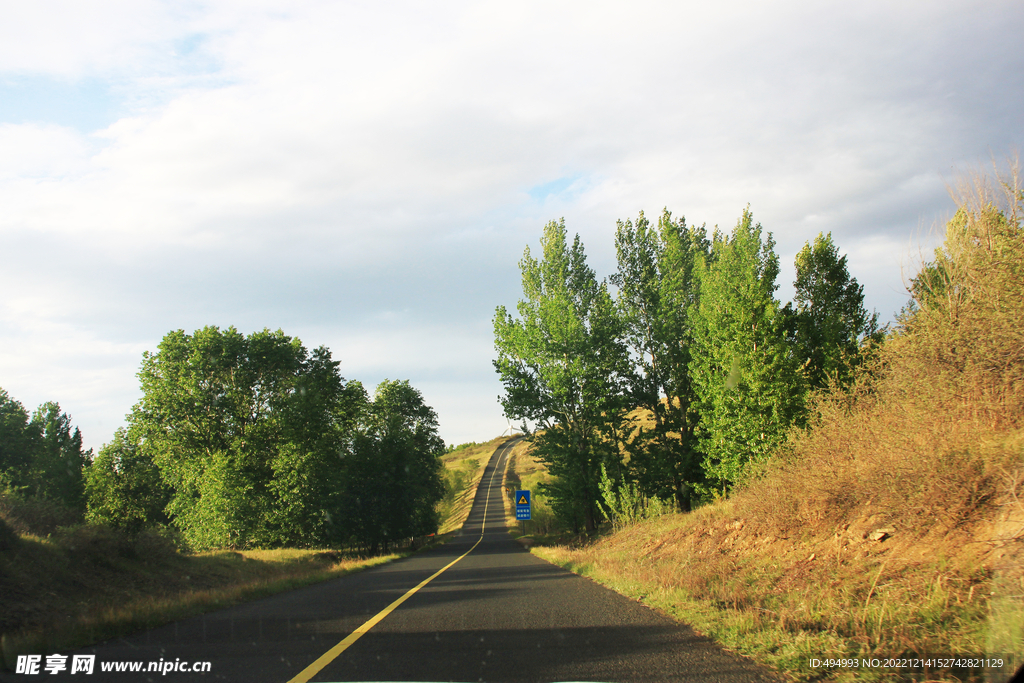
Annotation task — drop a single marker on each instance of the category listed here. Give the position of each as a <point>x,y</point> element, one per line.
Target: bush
<point>36,516</point>
<point>159,543</point>
<point>625,505</point>
<point>96,543</point>
<point>461,447</point>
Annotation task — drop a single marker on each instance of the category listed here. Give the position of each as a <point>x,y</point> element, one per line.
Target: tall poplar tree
<point>41,457</point>
<point>829,321</point>
<point>655,293</point>
<point>744,372</point>
<point>59,458</point>
<point>16,444</point>
<point>562,364</point>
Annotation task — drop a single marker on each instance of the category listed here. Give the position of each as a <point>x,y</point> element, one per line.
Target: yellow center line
<point>332,654</point>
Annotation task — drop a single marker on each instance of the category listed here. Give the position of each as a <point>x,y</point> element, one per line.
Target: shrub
<point>159,543</point>
<point>36,516</point>
<point>96,543</point>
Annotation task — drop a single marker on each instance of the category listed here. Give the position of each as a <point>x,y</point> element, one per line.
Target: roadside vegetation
<point>687,333</point>
<point>239,442</point>
<point>881,514</point>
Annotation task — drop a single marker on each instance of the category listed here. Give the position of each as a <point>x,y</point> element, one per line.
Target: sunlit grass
<point>773,602</point>
<point>526,472</point>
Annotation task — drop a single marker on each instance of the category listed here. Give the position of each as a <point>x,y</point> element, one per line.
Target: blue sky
<point>366,176</point>
<point>82,104</point>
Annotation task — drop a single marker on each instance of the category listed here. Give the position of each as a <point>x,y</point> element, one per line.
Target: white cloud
<point>70,39</point>
<point>33,152</point>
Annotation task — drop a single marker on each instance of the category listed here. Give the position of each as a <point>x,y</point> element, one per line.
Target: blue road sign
<point>522,505</point>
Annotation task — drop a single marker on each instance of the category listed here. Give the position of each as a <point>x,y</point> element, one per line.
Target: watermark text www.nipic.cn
<point>86,664</point>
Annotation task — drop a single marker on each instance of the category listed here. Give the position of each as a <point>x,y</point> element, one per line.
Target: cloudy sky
<point>365,175</point>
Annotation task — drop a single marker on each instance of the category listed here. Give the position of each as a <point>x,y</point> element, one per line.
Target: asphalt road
<point>496,614</point>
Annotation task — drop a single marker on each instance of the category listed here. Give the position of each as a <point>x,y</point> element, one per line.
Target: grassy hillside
<point>59,590</point>
<point>786,599</point>
<point>525,472</point>
<point>893,524</point>
<point>464,467</point>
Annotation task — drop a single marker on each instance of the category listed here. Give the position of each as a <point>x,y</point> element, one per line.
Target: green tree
<point>123,487</point>
<point>58,458</point>
<point>743,370</point>
<point>319,421</point>
<point>829,321</point>
<point>241,429</point>
<point>393,479</point>
<point>655,294</point>
<point>41,457</point>
<point>563,365</point>
<point>16,444</point>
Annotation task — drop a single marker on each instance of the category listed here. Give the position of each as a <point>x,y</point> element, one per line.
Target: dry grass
<point>783,600</point>
<point>892,525</point>
<point>58,592</point>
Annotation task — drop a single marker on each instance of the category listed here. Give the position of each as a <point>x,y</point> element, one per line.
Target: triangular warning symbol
<point>522,501</point>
